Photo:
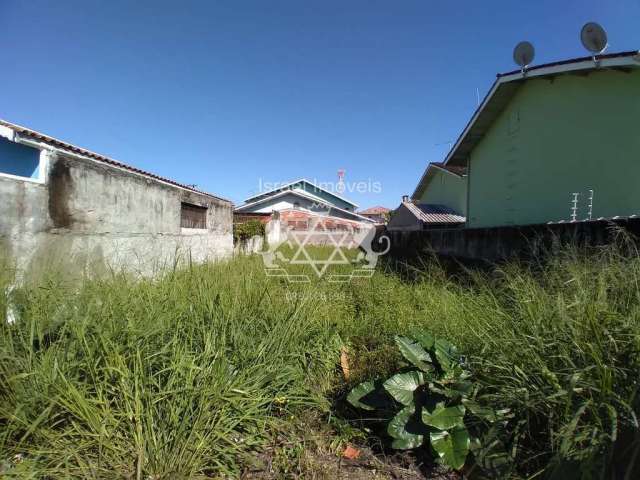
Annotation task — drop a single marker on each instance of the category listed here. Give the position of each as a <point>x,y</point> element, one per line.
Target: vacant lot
<point>216,371</point>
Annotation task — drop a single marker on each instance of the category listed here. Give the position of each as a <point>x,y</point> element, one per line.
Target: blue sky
<point>225,94</point>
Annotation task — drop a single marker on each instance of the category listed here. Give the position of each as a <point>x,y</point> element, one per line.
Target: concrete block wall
<point>98,216</point>
<point>502,243</point>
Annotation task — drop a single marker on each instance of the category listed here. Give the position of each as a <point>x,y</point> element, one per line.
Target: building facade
<point>544,137</point>
<point>301,195</point>
<point>575,134</point>
<point>443,185</point>
<point>64,203</point>
<point>378,214</point>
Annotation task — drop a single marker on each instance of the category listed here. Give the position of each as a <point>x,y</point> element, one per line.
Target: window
<point>19,160</point>
<point>193,216</point>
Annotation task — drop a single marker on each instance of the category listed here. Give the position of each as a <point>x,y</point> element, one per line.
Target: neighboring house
<point>64,202</point>
<point>303,196</point>
<point>420,216</point>
<point>443,185</point>
<point>439,200</point>
<point>377,214</point>
<point>545,133</point>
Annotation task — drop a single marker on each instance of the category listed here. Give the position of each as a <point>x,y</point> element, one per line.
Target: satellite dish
<point>523,54</point>
<point>593,38</point>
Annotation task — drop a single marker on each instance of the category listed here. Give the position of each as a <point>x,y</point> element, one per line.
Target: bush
<point>433,402</point>
<point>246,230</point>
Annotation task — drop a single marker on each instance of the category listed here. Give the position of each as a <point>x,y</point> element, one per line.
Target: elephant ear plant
<point>432,400</point>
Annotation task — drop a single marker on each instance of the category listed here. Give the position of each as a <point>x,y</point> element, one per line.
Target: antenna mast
<point>574,206</point>
<point>590,205</point>
<point>340,185</point>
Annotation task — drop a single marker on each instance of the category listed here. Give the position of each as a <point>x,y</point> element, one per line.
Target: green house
<point>443,185</point>
<point>544,137</point>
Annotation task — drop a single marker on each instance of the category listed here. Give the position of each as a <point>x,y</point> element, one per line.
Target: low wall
<point>500,243</point>
<point>249,246</point>
<point>99,217</point>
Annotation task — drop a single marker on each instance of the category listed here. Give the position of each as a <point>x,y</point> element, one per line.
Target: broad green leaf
<point>425,339</point>
<point>455,389</point>
<point>407,443</point>
<point>414,353</point>
<point>446,354</point>
<point>452,446</point>
<point>402,385</point>
<point>444,417</point>
<point>407,432</point>
<point>356,395</point>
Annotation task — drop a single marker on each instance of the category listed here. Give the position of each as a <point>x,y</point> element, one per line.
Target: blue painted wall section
<point>20,160</point>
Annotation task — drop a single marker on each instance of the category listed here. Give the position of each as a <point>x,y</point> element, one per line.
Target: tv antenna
<point>340,187</point>
<point>523,55</point>
<point>594,38</point>
<point>574,206</point>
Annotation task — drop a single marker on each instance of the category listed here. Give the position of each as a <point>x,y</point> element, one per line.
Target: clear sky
<point>228,94</point>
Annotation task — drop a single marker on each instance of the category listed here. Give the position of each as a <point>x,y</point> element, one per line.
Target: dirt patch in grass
<point>319,465</point>
<point>329,449</point>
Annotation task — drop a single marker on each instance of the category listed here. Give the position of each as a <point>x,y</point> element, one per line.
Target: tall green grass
<point>555,343</point>
<point>122,378</point>
<point>189,374</point>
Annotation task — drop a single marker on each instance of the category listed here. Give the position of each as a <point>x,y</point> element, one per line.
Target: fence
<point>499,243</point>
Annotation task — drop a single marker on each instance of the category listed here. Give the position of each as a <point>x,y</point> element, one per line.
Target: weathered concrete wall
<point>98,216</point>
<point>249,246</point>
<point>501,243</point>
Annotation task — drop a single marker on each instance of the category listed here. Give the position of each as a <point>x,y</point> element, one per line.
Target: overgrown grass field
<point>193,374</point>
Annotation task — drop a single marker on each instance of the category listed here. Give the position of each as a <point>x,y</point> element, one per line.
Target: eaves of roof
<point>429,213</point>
<point>300,194</point>
<point>64,146</point>
<point>503,90</point>
<point>458,171</point>
<point>300,180</point>
<point>507,84</point>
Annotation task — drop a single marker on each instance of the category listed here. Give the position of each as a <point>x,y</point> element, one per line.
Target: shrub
<point>249,229</point>
<point>433,402</point>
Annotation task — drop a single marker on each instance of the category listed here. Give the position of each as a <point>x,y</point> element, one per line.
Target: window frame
<point>194,207</point>
<point>43,162</point>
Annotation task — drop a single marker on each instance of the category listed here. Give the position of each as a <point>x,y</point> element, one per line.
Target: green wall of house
<point>446,189</point>
<point>568,134</point>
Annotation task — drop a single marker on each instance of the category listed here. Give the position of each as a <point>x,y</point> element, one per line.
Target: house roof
<point>300,180</point>
<point>430,213</point>
<point>327,218</point>
<point>459,171</point>
<point>300,194</point>
<point>503,90</point>
<point>375,211</point>
<point>507,84</point>
<point>32,134</point>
